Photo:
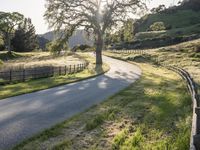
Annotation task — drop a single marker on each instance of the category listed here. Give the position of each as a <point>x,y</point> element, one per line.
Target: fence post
<point>23,79</point>
<point>74,68</point>
<point>59,70</point>
<point>197,111</point>
<point>10,75</point>
<point>196,138</point>
<point>52,71</point>
<point>70,69</point>
<point>65,69</point>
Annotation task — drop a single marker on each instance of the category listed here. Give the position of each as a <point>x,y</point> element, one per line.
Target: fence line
<point>192,86</point>
<point>21,75</point>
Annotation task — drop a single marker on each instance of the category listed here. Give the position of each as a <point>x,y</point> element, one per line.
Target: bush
<point>83,47</point>
<point>55,47</point>
<point>157,26</point>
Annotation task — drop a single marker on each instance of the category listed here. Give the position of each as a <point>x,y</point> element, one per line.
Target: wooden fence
<point>23,74</point>
<point>130,51</point>
<point>195,132</point>
<point>192,86</point>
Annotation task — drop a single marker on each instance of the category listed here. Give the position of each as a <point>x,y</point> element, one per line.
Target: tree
<point>96,16</point>
<point>158,9</point>
<point>42,42</point>
<point>8,22</point>
<point>55,47</point>
<point>157,26</point>
<point>25,38</point>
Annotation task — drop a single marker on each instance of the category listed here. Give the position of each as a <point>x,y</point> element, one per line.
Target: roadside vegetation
<point>153,113</point>
<point>185,55</point>
<point>45,83</point>
<point>37,59</point>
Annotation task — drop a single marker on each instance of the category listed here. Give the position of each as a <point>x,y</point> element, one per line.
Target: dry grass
<point>34,59</point>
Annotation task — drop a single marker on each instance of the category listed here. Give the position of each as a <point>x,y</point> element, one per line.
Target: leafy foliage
<point>157,26</point>
<point>8,22</point>
<point>42,42</point>
<point>25,39</point>
<point>55,47</point>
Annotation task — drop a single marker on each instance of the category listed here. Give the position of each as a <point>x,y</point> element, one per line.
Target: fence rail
<point>192,86</point>
<point>195,132</point>
<point>21,75</point>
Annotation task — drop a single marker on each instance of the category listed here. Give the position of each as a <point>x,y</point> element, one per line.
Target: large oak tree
<point>96,16</point>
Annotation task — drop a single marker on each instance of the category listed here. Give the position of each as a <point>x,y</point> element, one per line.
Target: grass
<point>177,32</point>
<point>4,55</point>
<point>183,55</point>
<point>153,113</point>
<point>45,83</point>
<point>34,59</point>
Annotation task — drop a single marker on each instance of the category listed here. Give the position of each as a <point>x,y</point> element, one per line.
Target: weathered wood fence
<point>195,132</point>
<point>23,74</point>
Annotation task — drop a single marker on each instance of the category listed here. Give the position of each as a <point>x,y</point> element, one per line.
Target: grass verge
<point>184,55</point>
<point>153,113</point>
<point>45,83</point>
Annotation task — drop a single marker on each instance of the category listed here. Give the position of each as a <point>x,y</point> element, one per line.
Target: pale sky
<point>35,9</point>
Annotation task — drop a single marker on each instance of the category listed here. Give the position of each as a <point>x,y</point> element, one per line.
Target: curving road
<point>23,116</point>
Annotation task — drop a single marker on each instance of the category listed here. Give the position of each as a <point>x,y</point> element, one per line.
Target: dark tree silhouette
<point>25,39</point>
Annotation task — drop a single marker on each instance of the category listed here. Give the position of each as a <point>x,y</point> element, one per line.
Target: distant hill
<point>78,38</point>
<point>42,42</point>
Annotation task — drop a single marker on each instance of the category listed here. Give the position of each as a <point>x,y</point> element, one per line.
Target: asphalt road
<point>23,116</point>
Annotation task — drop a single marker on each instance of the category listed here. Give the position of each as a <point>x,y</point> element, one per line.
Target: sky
<point>35,9</point>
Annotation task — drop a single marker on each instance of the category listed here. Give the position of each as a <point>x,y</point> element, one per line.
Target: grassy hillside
<point>176,32</point>
<point>185,55</point>
<point>177,19</point>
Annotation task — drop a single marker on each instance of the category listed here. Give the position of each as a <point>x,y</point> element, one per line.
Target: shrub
<point>157,26</point>
<point>55,47</point>
<point>83,47</point>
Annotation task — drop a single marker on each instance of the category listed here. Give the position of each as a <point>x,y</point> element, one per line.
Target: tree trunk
<point>99,47</point>
<point>9,44</point>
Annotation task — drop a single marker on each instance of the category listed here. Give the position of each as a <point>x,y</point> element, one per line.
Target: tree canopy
<point>8,22</point>
<point>25,38</point>
<point>95,16</point>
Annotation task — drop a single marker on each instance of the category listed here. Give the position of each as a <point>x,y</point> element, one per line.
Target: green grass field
<point>153,113</point>
<point>177,32</point>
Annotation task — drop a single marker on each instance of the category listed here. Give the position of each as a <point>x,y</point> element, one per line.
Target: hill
<point>166,26</point>
<point>78,38</point>
<point>172,20</point>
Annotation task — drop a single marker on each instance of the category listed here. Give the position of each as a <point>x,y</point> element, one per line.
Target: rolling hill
<point>78,38</point>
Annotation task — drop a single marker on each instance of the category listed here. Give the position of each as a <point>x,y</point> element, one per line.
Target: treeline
<point>17,33</point>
